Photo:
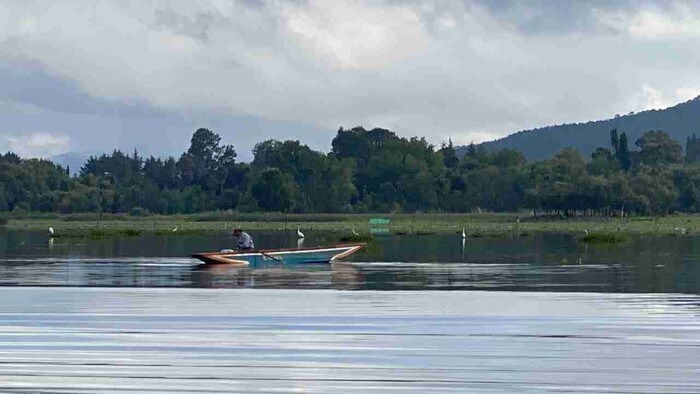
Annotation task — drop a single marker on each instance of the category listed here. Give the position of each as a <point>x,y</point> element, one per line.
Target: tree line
<point>366,171</point>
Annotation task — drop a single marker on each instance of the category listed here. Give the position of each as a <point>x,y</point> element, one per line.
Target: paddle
<point>267,255</point>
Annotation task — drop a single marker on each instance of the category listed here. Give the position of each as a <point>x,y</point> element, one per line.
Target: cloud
<point>42,145</point>
<point>653,98</point>
<point>356,35</point>
<point>658,22</point>
<point>151,72</point>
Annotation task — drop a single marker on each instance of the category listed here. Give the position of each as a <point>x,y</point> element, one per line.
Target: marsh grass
<point>341,225</point>
<point>604,238</point>
<point>97,233</point>
<point>353,238</point>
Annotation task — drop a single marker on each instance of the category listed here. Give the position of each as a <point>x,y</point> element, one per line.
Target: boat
<point>320,254</point>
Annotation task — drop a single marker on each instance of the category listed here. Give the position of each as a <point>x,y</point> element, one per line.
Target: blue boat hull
<point>280,256</point>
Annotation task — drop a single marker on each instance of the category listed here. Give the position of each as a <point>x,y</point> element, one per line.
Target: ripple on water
<point>192,340</point>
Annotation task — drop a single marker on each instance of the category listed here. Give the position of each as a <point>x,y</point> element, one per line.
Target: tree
<point>373,170</point>
<point>449,156</point>
<point>657,148</point>
<point>603,163</point>
<point>615,141</point>
<point>623,153</point>
<point>273,191</point>
<point>692,149</point>
<point>225,163</point>
<point>206,163</point>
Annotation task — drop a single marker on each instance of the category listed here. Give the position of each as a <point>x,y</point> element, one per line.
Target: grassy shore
<point>474,225</point>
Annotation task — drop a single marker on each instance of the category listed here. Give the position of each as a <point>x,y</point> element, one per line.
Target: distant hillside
<point>74,160</point>
<point>679,121</point>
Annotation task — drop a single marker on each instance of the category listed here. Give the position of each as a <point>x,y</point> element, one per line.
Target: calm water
<point>321,341</point>
<point>537,263</point>
<point>138,315</point>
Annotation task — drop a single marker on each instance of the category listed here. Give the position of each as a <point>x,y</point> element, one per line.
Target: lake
<point>410,313</point>
<point>546,262</point>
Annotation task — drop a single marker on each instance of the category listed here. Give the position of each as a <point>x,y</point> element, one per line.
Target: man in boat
<point>243,240</point>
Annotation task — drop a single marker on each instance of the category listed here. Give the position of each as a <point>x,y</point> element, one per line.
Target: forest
<point>366,171</point>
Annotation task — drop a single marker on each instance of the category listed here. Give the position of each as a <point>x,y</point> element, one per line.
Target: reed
<point>604,238</point>
<point>475,225</point>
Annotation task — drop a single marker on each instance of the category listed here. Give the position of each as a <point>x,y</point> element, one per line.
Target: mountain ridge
<point>679,121</point>
<point>74,160</point>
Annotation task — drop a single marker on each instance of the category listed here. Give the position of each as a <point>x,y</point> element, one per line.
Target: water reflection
<point>536,263</point>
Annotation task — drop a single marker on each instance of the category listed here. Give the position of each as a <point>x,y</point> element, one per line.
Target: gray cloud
<point>28,82</point>
<point>121,74</point>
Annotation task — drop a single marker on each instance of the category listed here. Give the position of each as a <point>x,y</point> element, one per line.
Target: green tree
<point>206,163</point>
<point>692,149</point>
<point>603,163</point>
<point>657,148</point>
<point>273,191</point>
<point>623,153</point>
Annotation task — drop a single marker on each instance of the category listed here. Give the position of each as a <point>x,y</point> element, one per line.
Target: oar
<point>267,255</point>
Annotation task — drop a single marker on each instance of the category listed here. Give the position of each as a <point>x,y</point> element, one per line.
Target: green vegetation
<point>354,238</point>
<point>340,227</point>
<point>366,171</point>
<point>98,233</point>
<point>604,238</point>
<point>88,231</point>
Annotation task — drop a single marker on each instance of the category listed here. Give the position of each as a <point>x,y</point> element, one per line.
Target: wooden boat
<point>321,254</point>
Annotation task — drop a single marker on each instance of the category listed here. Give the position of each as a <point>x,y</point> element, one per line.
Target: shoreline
<point>474,225</point>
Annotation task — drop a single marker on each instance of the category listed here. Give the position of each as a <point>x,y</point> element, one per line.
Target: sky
<point>93,76</point>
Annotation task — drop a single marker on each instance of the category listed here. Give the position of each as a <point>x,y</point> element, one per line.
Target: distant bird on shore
<point>175,229</point>
<point>354,232</point>
<point>585,231</point>
<point>51,232</point>
<point>299,233</point>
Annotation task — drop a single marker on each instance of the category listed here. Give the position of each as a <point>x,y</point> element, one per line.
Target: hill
<point>679,121</point>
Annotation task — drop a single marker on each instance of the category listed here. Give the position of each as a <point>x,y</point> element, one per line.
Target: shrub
<point>139,212</point>
<point>603,238</point>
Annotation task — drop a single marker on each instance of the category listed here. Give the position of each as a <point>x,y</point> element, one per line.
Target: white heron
<point>299,233</point>
<point>175,229</point>
<point>464,233</point>
<point>585,231</point>
<point>354,232</point>
<point>51,231</point>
